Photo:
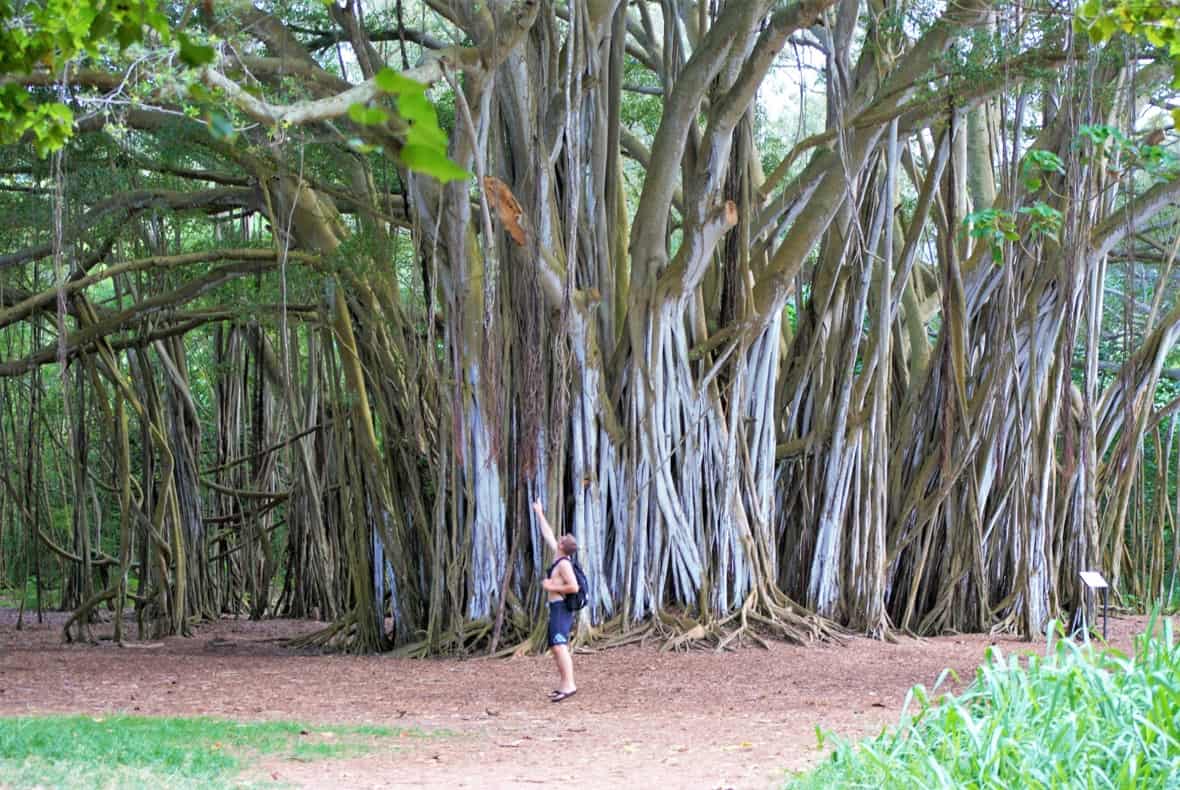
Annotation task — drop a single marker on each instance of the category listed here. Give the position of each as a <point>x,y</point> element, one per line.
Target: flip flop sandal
<point>562,695</point>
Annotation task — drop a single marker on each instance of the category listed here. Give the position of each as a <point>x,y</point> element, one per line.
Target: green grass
<point>136,751</point>
<point>1078,718</point>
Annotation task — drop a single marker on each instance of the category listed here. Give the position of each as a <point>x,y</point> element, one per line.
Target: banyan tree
<point>302,304</point>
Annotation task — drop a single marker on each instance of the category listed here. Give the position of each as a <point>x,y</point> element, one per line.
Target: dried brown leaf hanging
<point>506,206</point>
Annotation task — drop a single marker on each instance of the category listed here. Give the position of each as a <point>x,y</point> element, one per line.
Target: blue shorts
<point>561,622</point>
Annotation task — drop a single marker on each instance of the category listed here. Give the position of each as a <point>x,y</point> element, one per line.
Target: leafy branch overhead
<point>54,37</point>
<point>49,35</point>
<point>1155,21</point>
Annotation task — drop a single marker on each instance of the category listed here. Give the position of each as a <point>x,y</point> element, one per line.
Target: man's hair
<point>568,544</point>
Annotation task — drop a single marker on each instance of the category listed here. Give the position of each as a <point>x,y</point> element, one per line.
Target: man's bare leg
<point>565,668</point>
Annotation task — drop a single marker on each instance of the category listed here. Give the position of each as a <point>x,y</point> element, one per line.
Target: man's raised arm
<point>546,530</point>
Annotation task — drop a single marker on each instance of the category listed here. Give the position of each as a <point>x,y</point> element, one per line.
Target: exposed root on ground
<point>765,616</point>
<point>340,635</point>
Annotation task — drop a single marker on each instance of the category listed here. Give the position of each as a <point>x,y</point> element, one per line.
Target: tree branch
<point>325,109</point>
<point>1119,224</point>
<point>43,300</point>
<point>84,339</point>
<point>126,205</point>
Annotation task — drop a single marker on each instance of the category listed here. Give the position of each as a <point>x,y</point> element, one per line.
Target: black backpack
<point>577,600</point>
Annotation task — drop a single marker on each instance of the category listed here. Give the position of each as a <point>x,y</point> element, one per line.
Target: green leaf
<point>1106,28</point>
<point>416,107</point>
<point>192,54</point>
<point>367,116</point>
<point>417,110</point>
<point>58,114</point>
<point>101,27</point>
<point>157,20</point>
<point>1046,161</point>
<point>129,33</point>
<point>198,92</point>
<point>432,162</point>
<point>219,126</point>
<point>391,81</point>
<point>1096,133</point>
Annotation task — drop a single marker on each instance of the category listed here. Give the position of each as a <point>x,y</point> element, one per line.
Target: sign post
<point>1094,581</point>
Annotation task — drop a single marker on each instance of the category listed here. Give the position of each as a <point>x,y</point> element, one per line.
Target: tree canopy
<point>804,317</point>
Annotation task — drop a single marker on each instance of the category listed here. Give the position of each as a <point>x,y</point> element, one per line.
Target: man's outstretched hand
<point>543,525</point>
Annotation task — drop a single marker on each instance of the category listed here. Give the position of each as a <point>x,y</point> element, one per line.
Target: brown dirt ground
<point>641,717</point>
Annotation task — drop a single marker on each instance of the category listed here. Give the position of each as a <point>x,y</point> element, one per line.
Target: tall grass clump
<point>1076,718</point>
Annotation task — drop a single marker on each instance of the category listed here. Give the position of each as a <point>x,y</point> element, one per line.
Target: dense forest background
<point>802,317</point>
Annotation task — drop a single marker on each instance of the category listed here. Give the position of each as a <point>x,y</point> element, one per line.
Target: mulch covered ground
<point>641,717</point>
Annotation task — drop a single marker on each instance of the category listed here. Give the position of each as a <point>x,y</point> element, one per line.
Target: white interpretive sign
<point>1094,581</point>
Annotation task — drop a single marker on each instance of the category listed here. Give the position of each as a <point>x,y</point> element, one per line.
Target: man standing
<point>558,582</point>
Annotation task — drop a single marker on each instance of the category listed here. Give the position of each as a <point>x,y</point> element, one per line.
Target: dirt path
<point>641,717</point>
